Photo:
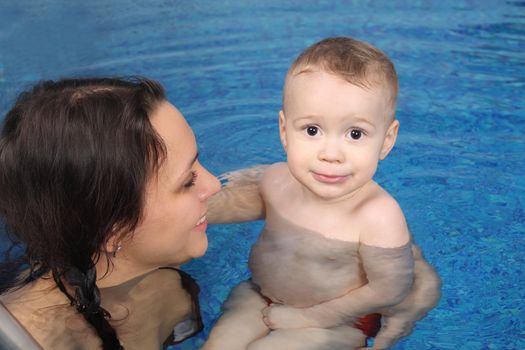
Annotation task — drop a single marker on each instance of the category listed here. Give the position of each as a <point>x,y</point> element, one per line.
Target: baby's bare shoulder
<point>383,221</point>
<point>275,177</point>
<point>276,170</point>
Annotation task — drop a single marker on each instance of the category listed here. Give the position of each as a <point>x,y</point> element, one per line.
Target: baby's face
<point>334,132</point>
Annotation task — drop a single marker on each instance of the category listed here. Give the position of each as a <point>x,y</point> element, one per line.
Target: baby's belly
<point>302,274</point>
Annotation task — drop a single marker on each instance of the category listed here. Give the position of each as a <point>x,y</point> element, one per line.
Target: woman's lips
<point>329,179</point>
<point>202,224</point>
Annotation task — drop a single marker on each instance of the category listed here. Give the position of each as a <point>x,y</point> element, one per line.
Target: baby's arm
<point>239,199</point>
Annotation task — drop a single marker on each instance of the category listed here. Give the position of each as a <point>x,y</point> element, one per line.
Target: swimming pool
<point>457,169</point>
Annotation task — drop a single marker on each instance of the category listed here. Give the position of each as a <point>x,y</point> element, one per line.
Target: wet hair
<point>357,62</point>
<point>75,156</point>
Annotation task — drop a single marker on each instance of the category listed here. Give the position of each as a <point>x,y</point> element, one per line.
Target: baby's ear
<point>282,129</point>
<point>390,139</point>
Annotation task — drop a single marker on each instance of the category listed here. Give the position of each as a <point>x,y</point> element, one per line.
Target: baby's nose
<point>331,152</point>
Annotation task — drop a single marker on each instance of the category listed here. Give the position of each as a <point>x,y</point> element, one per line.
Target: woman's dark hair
<point>75,156</point>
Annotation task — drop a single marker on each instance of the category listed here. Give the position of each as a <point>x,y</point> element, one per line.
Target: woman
<point>101,183</point>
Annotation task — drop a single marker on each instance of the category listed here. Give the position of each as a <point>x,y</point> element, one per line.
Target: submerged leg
<point>337,338</point>
<point>241,322</point>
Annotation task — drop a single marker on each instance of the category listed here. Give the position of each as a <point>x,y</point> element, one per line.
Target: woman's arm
<point>389,272</point>
<point>239,199</point>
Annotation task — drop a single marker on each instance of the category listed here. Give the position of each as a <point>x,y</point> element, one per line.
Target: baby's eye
<point>312,130</point>
<point>356,134</point>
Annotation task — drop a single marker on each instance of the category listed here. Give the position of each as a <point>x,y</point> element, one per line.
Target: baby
<point>335,255</point>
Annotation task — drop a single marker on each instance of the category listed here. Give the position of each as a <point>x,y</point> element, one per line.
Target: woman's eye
<point>312,130</point>
<point>356,134</point>
<point>192,180</point>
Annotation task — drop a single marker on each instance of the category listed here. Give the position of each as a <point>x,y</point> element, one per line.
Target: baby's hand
<point>282,316</point>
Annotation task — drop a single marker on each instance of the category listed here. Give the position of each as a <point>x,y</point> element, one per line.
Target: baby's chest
<point>304,268</point>
<point>328,224</point>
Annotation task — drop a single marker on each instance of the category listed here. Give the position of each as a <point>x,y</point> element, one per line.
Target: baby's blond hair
<point>357,62</point>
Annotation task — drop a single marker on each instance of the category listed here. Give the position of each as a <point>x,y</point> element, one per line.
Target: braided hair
<point>75,155</point>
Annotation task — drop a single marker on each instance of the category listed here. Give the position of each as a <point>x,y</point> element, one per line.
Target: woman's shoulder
<point>45,314</point>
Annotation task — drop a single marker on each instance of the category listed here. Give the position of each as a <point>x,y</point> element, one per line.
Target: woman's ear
<point>282,129</point>
<point>112,244</point>
<point>390,139</point>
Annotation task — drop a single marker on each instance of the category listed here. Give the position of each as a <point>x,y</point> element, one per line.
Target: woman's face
<point>173,226</point>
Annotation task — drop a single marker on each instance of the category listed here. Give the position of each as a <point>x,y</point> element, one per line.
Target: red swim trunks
<point>268,300</point>
<point>369,324</point>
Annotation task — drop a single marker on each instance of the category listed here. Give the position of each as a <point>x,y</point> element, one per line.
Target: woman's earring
<point>117,249</point>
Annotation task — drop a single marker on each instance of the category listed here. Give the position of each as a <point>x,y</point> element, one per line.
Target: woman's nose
<point>210,185</point>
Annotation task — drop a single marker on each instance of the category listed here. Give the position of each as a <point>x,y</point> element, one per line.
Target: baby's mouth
<point>329,179</point>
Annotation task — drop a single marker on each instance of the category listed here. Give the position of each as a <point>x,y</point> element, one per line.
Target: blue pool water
<point>457,169</point>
